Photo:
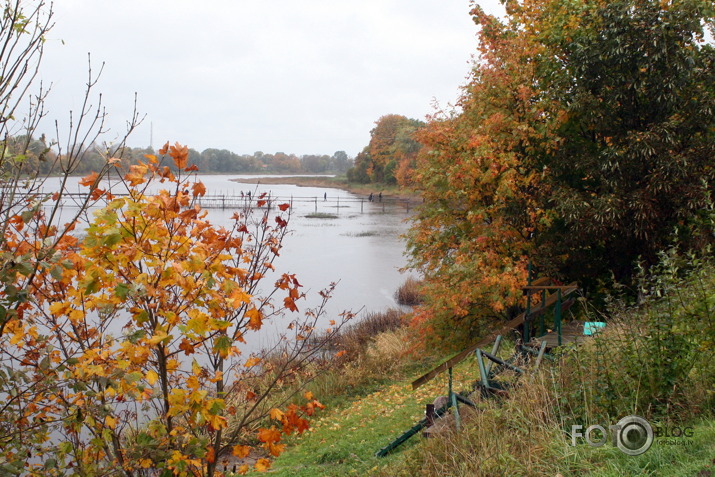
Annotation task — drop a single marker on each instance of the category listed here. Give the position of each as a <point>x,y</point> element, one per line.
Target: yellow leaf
<point>308,395</point>
<point>240,297</point>
<point>252,361</point>
<point>216,422</point>
<point>59,308</point>
<point>193,382</point>
<point>158,338</point>
<point>151,377</point>
<point>110,422</point>
<point>276,414</point>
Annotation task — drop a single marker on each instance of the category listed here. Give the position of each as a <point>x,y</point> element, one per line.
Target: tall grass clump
<point>409,293</point>
<point>366,354</point>
<point>655,358</point>
<point>354,338</point>
<point>517,436</point>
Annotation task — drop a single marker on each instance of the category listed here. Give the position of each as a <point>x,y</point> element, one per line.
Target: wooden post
<point>495,350</point>
<point>527,318</point>
<point>482,370</point>
<point>453,400</point>
<point>557,313</point>
<point>316,205</point>
<point>542,327</point>
<point>361,202</point>
<point>540,356</point>
<point>431,415</point>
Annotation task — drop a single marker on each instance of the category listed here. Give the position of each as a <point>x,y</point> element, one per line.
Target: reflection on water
<point>358,246</point>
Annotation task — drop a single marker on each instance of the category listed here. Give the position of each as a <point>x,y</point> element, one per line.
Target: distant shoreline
<point>335,183</point>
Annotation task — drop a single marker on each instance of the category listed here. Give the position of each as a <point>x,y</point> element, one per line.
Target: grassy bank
<point>653,360</point>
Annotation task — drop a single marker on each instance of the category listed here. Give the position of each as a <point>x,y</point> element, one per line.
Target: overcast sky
<point>303,77</point>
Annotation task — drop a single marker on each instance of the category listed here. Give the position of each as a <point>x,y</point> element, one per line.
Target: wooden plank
<point>457,358</point>
<point>540,281</point>
<point>549,287</point>
<point>510,325</point>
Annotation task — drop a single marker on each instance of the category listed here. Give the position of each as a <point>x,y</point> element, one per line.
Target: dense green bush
<point>655,358</point>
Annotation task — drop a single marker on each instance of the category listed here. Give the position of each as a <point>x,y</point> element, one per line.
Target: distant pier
<point>238,202</point>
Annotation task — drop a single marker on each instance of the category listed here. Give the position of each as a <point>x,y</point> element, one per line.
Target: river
<point>359,246</point>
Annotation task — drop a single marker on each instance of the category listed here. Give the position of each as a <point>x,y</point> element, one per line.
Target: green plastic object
<point>593,327</point>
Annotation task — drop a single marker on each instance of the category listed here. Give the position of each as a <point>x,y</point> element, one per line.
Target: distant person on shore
<point>249,195</point>
<point>370,198</point>
<point>325,196</point>
<point>379,196</point>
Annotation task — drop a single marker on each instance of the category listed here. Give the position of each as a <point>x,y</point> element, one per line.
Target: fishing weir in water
<point>239,202</point>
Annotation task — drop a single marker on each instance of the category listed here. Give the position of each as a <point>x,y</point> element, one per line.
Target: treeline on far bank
<point>38,156</point>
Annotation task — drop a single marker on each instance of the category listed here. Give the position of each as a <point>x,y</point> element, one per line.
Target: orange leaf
<point>97,193</point>
<point>89,180</point>
<point>308,395</point>
<point>241,451</point>
<point>210,455</point>
<point>263,465</point>
<point>276,414</point>
<point>290,304</point>
<point>275,449</point>
<point>255,319</point>
<point>180,154</point>
<point>269,435</point>
<point>164,149</point>
<point>199,189</point>
<point>284,207</point>
<point>252,361</point>
<point>186,347</point>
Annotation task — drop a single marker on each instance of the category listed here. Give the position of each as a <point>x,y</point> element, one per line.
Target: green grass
<point>344,440</point>
<point>662,459</point>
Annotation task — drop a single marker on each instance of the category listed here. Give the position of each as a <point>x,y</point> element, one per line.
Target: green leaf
<point>56,273</point>
<point>222,345</point>
<point>92,286</point>
<point>112,239</point>
<point>122,290</point>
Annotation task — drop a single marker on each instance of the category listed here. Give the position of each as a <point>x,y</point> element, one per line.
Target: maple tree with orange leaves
<point>140,328</point>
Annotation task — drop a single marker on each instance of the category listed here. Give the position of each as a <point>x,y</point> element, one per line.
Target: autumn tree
<point>581,142</point>
<point>141,330</point>
<point>390,156</point>
<point>32,231</point>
